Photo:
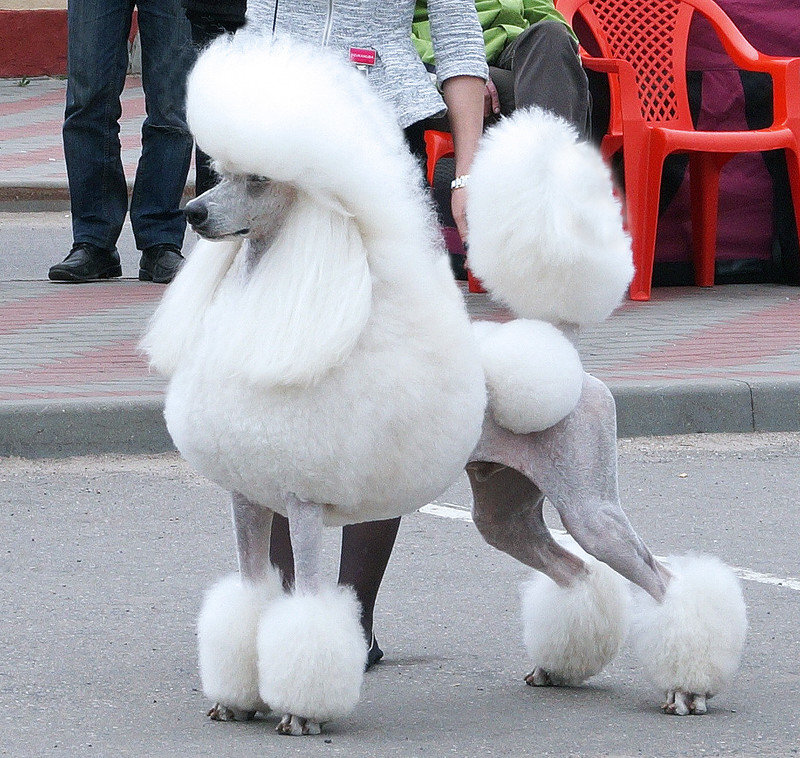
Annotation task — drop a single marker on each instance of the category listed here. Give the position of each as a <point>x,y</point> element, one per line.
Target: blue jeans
<point>97,60</point>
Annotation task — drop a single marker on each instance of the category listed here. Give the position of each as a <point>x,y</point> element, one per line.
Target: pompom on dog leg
<point>226,643</point>
<point>311,658</point>
<point>311,648</point>
<point>691,643</point>
<point>571,633</point>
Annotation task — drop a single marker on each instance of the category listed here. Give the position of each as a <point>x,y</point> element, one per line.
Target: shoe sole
<point>60,275</point>
<point>146,276</point>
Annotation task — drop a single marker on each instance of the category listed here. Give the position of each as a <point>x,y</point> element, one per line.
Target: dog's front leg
<point>305,532</point>
<point>311,648</point>
<point>229,618</point>
<point>252,525</point>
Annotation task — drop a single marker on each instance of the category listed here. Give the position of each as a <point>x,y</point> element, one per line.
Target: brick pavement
<point>63,342</point>
<point>72,380</point>
<point>31,153</point>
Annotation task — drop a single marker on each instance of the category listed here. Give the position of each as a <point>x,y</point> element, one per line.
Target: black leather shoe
<point>87,263</point>
<point>160,263</point>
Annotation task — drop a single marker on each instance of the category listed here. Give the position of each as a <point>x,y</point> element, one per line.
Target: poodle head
<point>240,205</point>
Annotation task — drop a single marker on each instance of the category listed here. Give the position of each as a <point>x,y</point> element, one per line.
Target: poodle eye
<point>255,179</point>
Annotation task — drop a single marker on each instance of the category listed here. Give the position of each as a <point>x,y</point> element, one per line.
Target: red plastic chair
<point>439,145</point>
<point>643,47</point>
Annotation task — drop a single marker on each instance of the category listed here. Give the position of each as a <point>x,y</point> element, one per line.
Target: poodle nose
<point>196,214</point>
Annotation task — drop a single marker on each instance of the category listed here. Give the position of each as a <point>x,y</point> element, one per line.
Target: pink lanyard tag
<point>363,57</point>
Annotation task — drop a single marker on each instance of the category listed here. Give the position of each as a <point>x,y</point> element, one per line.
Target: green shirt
<point>502,22</point>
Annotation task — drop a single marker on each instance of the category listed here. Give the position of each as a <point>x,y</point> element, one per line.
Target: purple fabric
<point>745,211</point>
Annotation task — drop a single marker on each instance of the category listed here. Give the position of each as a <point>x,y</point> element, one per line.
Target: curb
<point>50,429</point>
<point>647,409</point>
<point>18,197</point>
<point>34,197</point>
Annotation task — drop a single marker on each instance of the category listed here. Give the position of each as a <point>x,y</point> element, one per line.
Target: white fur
<point>311,654</point>
<point>573,632</point>
<point>312,287</point>
<point>226,640</point>
<point>693,640</point>
<point>349,379</point>
<point>177,322</point>
<point>546,231</point>
<point>534,375</point>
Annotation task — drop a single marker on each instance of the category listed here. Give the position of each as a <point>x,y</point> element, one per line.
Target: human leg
<point>97,60</point>
<point>167,54</point>
<point>207,27</point>
<point>547,72</point>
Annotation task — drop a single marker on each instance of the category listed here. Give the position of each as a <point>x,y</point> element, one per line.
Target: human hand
<point>491,100</point>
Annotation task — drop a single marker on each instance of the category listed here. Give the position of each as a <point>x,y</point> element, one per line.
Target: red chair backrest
<point>651,35</point>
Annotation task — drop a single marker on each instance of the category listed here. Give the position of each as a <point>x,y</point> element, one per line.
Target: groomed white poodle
<point>322,365</point>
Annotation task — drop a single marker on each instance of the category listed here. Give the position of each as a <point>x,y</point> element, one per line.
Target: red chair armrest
<point>631,110</point>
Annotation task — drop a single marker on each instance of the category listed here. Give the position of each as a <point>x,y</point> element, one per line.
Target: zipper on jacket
<point>328,24</point>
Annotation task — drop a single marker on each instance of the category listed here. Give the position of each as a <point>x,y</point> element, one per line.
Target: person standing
<point>97,63</point>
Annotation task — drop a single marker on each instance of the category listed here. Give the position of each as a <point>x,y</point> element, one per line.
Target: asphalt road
<point>104,561</point>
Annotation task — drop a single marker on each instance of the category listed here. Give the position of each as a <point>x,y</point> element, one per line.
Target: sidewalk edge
<point>48,429</point>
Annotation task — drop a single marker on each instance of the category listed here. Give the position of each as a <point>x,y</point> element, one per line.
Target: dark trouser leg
<point>167,55</point>
<point>97,59</point>
<point>547,72</point>
<point>366,549</point>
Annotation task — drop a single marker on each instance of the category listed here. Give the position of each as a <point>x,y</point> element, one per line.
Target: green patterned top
<point>502,22</point>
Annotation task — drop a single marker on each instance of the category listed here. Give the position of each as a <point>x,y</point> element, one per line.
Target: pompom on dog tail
<point>546,234</point>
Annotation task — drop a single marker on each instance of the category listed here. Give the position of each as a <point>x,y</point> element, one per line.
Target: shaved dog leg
<point>508,513</point>
<point>305,531</point>
<point>252,525</point>
<point>574,463</point>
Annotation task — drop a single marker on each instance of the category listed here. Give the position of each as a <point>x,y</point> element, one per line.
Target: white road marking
<point>459,513</point>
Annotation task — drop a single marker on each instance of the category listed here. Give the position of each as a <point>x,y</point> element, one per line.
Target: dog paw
<point>539,678</point>
<point>220,712</point>
<point>297,726</point>
<point>681,703</point>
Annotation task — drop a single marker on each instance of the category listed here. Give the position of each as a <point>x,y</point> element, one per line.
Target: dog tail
<point>546,234</point>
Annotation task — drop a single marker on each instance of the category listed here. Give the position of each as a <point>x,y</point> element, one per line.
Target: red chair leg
<point>793,166</point>
<point>704,170</point>
<point>642,190</point>
<point>437,145</point>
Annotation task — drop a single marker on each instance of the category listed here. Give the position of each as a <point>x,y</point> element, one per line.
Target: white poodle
<point>322,365</point>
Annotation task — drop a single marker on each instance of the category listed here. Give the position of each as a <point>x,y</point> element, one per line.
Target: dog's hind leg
<point>575,623</point>
<point>690,631</point>
<point>574,463</point>
<point>575,613</point>
<point>507,510</point>
<point>229,618</point>
<point>311,648</point>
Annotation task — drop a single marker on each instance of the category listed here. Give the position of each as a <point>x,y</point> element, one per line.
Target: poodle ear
<point>176,322</point>
<point>306,302</point>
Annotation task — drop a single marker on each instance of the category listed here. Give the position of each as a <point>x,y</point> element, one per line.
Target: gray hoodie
<point>398,75</point>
